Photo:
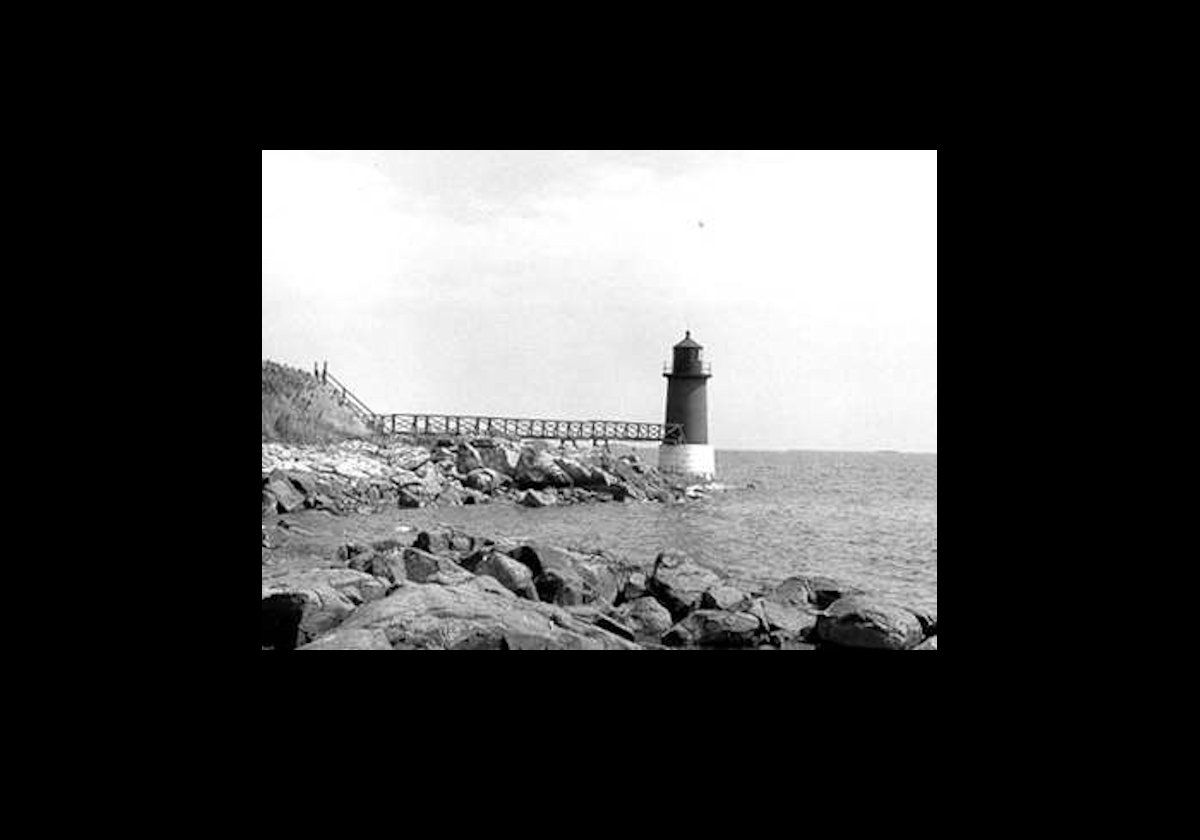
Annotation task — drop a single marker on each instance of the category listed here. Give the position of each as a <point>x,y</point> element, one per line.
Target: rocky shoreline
<point>364,477</point>
<point>448,590</point>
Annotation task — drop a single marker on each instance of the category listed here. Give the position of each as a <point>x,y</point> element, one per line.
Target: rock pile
<point>357,476</point>
<point>453,591</point>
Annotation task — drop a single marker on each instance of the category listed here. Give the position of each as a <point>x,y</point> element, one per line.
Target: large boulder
<point>824,591</point>
<point>863,622</point>
<point>792,622</point>
<point>314,602</point>
<point>928,619</point>
<point>645,616</point>
<point>725,597</point>
<point>806,592</point>
<point>423,567</point>
<point>513,575</point>
<point>287,497</point>
<point>630,479</point>
<point>470,617</point>
<point>679,583</point>
<point>445,540</point>
<point>568,578</point>
<point>715,628</point>
<point>635,588</point>
<point>793,592</point>
<point>468,458</point>
<point>580,474</point>
<point>387,565</point>
<point>498,455</point>
<point>484,480</point>
<point>350,640</point>
<point>602,581</point>
<point>536,469</point>
<point>409,458</point>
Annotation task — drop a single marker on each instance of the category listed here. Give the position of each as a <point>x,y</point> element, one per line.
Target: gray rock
<point>679,584</point>
<point>634,588</point>
<point>793,592</point>
<point>486,583</point>
<point>645,616</point>
<point>715,628</point>
<point>499,456</point>
<point>468,458</point>
<point>468,617</point>
<point>724,597</point>
<point>555,586</point>
<point>928,644</point>
<point>602,581</point>
<point>537,470</point>
<point>423,567</point>
<point>445,540</point>
<point>536,499</point>
<point>269,503</point>
<point>287,497</point>
<point>474,497</point>
<point>350,640</point>
<point>387,565</point>
<point>559,575</point>
<point>928,619</point>
<point>484,480</point>
<point>306,483</point>
<point>794,622</point>
<point>862,622</point>
<point>513,575</point>
<point>824,591</point>
<point>406,498</point>
<point>580,474</point>
<point>409,458</point>
<point>320,599</point>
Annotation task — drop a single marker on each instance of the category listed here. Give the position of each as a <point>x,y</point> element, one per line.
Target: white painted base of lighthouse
<point>690,460</point>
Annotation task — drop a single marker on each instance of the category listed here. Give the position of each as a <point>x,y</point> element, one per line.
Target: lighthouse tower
<point>686,452</point>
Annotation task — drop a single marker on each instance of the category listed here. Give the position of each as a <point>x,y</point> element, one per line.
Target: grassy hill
<point>297,408</point>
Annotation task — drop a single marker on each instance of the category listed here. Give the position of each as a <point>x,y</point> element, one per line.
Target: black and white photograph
<point>580,399</point>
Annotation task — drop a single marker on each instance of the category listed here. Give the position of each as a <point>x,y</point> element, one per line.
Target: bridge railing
<point>508,427</point>
<point>349,398</point>
<point>520,427</point>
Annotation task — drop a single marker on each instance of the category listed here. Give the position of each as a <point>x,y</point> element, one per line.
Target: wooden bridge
<point>509,427</point>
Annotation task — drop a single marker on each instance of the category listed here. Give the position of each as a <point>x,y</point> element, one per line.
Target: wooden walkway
<point>514,427</point>
<point>508,427</point>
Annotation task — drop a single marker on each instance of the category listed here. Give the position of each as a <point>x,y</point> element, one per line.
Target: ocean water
<point>869,519</point>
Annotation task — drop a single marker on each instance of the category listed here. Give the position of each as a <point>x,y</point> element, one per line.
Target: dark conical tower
<point>685,451</point>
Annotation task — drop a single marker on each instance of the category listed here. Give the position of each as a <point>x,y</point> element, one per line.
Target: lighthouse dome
<point>688,342</point>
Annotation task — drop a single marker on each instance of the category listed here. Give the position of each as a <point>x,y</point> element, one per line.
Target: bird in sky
<point>701,224</point>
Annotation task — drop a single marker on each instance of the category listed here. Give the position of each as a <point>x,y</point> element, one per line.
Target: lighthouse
<point>685,451</point>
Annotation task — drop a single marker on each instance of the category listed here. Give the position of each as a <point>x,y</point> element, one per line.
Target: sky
<point>553,283</point>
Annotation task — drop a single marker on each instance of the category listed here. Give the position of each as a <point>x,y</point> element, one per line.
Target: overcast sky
<point>553,284</point>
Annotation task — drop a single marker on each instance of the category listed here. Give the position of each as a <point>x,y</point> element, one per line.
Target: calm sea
<point>865,518</point>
